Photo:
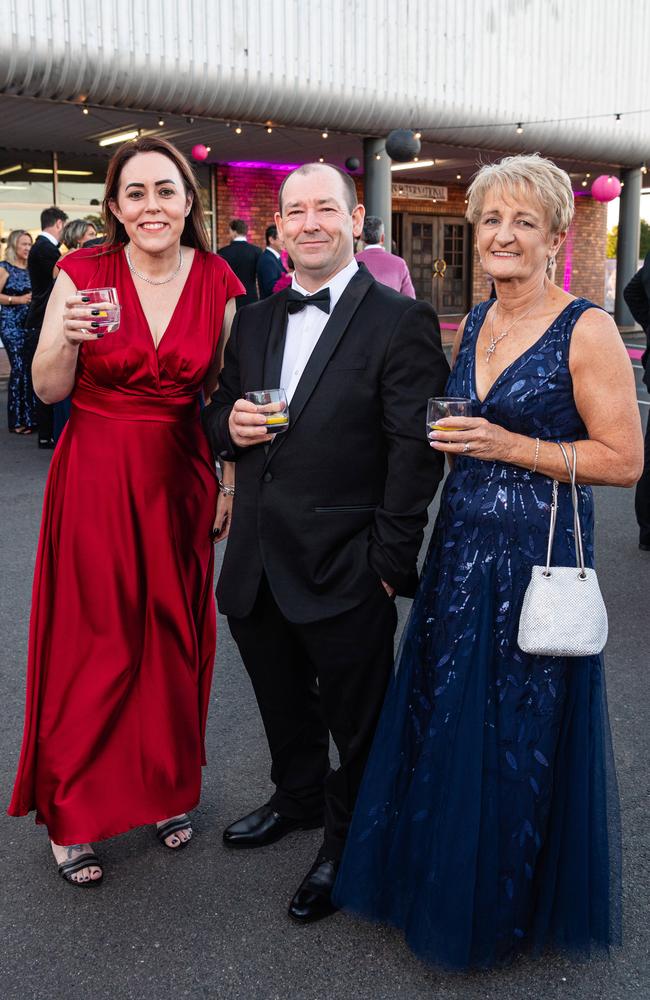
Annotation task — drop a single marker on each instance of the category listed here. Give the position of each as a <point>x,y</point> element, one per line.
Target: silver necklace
<point>150,281</point>
<point>489,351</point>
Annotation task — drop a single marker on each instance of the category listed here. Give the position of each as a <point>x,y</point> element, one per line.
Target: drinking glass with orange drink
<point>439,407</point>
<point>273,404</point>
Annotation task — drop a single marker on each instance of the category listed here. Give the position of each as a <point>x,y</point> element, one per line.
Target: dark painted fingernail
<point>99,336</point>
<point>94,324</point>
<point>85,298</point>
<point>94,312</point>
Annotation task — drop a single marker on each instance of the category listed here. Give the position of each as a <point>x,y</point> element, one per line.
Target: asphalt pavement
<point>211,923</point>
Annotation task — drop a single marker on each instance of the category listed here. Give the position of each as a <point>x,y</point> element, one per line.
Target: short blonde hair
<point>531,173</point>
<point>12,243</point>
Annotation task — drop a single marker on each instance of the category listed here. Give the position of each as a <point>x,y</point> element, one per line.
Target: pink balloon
<point>605,188</point>
<point>200,152</point>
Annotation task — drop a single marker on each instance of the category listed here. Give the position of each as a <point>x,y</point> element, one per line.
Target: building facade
<point>265,86</point>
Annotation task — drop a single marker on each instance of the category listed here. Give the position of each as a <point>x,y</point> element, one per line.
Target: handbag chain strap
<point>580,556</point>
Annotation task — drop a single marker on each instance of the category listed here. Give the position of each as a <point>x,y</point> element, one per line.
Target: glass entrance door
<point>436,250</point>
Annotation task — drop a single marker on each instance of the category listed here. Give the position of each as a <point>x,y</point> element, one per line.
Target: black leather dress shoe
<point>264,826</point>
<point>313,901</point>
<point>46,443</point>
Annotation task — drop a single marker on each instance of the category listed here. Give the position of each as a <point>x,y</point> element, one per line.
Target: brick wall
<point>247,193</point>
<point>581,261</point>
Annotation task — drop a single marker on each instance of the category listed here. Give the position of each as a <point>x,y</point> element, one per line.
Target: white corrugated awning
<point>463,73</point>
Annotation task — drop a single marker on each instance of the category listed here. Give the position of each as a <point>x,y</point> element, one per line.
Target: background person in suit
<point>637,296</point>
<point>269,265</point>
<point>242,257</point>
<point>328,518</point>
<point>386,267</point>
<point>41,261</point>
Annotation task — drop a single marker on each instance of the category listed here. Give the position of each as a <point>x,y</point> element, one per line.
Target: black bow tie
<point>297,301</point>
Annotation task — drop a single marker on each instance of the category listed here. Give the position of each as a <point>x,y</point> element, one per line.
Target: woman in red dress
<point>122,634</point>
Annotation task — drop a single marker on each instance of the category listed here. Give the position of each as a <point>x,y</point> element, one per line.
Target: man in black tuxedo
<point>269,265</point>
<point>637,296</point>
<point>242,257</point>
<point>328,517</point>
<point>41,261</point>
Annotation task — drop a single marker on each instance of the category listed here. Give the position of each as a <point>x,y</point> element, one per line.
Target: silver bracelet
<point>534,468</point>
<point>228,491</point>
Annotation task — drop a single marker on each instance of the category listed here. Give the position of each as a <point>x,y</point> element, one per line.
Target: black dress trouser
<point>642,495</point>
<point>311,680</point>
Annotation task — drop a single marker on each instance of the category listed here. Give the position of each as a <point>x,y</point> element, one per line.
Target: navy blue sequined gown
<point>20,347</point>
<point>487,822</point>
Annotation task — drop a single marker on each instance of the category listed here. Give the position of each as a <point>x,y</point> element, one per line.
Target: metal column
<point>629,231</point>
<point>55,178</point>
<point>377,181</point>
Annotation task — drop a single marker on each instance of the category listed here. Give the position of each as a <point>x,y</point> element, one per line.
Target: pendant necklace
<point>150,281</point>
<point>489,351</point>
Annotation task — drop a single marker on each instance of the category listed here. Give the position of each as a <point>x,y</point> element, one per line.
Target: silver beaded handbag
<point>563,613</point>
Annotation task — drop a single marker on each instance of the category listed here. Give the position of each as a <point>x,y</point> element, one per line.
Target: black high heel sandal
<point>68,868</point>
<point>175,826</point>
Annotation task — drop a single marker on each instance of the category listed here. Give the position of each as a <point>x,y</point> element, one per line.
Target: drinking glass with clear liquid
<point>273,404</point>
<point>439,407</point>
<point>107,304</point>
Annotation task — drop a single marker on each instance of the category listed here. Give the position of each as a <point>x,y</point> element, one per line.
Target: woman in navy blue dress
<point>487,820</point>
<point>15,296</point>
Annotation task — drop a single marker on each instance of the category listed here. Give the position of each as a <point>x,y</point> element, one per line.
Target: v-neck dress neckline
<point>175,310</point>
<point>520,357</point>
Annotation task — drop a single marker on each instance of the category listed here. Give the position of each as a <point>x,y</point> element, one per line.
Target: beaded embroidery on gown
<point>487,822</point>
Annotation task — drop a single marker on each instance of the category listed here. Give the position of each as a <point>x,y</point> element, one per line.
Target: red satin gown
<point>123,625</point>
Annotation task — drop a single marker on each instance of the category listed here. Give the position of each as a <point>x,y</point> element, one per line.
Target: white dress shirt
<point>305,327</point>
<point>52,239</point>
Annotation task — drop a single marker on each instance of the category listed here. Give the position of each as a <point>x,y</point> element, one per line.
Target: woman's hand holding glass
<point>474,436</point>
<point>90,314</point>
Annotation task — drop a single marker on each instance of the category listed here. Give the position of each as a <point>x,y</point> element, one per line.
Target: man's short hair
<point>239,226</point>
<point>271,234</point>
<point>49,216</point>
<point>349,187</point>
<point>373,229</point>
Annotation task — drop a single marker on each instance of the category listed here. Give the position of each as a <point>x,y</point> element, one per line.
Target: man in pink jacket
<point>386,267</point>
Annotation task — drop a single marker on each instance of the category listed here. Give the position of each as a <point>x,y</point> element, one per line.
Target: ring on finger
<point>467,447</point>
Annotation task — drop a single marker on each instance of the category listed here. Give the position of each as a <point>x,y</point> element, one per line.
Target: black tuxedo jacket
<point>269,269</point>
<point>40,263</point>
<point>637,295</point>
<point>339,501</point>
<point>242,258</point>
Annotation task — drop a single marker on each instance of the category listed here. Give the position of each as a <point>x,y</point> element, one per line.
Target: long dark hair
<point>195,233</point>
